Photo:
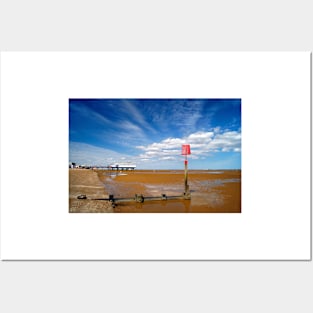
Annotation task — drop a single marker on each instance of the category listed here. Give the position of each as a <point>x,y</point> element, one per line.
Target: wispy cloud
<point>88,113</point>
<point>181,114</point>
<point>121,130</point>
<point>87,154</point>
<point>130,109</point>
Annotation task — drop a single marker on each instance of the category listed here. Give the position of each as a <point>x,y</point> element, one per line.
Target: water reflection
<point>166,206</point>
<point>217,191</point>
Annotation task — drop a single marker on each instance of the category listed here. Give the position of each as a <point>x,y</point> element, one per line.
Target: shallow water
<point>218,191</point>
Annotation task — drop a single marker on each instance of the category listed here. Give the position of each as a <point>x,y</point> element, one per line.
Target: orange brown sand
<point>211,191</point>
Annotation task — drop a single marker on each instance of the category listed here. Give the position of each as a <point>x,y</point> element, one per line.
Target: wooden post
<point>185,152</point>
<point>186,175</point>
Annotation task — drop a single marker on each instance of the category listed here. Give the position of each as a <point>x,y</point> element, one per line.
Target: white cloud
<point>168,158</point>
<point>167,144</point>
<point>200,137</point>
<point>201,143</point>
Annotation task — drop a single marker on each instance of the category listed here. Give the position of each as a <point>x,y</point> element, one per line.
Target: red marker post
<point>185,152</point>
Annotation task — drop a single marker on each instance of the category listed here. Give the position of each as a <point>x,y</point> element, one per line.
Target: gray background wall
<point>156,286</point>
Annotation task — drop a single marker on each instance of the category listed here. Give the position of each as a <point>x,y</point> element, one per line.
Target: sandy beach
<point>217,191</point>
<point>87,182</point>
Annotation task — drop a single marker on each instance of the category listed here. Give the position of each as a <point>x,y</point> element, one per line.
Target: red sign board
<point>185,150</point>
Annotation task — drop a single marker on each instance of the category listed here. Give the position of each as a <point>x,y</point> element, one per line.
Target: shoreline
<point>212,191</point>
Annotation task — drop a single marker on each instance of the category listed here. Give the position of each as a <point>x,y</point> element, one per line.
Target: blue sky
<point>150,132</point>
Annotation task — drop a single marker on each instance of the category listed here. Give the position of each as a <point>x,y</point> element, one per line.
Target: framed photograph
<point>155,155</point>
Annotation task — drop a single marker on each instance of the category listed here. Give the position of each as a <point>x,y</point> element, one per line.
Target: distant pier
<point>122,166</point>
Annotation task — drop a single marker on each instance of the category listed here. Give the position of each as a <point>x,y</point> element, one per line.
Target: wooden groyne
<point>139,198</point>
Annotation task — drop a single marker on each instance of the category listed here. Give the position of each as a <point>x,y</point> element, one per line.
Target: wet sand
<point>211,191</point>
